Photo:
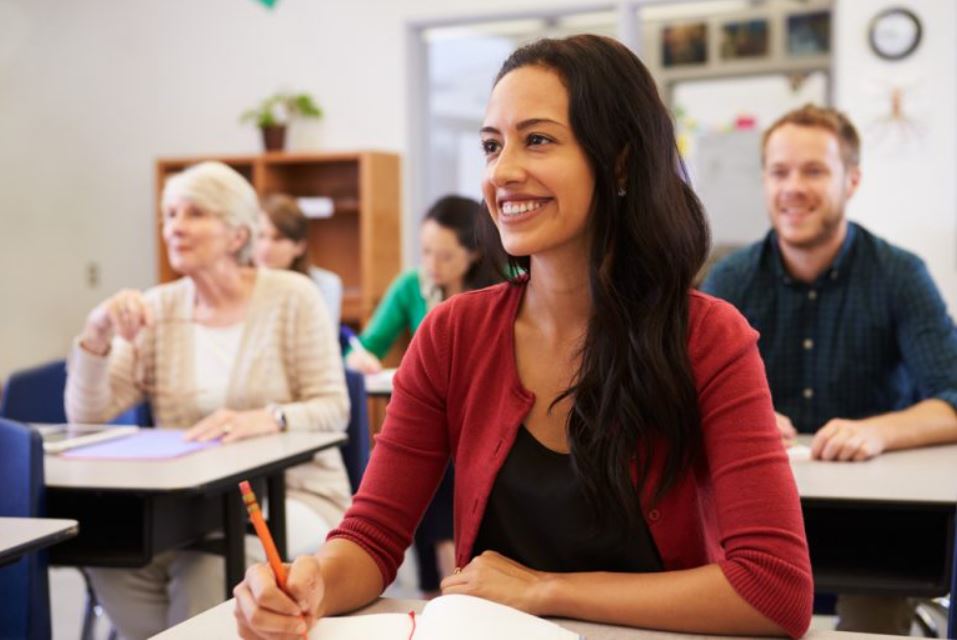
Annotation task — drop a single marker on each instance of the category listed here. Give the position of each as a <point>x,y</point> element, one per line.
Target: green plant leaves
<point>280,108</point>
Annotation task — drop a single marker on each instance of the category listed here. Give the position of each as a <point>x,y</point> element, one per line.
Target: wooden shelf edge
<point>226,159</point>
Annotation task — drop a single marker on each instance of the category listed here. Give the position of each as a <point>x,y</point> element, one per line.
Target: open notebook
<point>453,616</point>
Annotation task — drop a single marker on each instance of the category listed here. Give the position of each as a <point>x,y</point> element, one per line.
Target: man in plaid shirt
<point>855,337</point>
<point>856,340</point>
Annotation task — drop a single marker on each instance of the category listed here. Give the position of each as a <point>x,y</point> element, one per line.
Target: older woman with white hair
<point>228,351</point>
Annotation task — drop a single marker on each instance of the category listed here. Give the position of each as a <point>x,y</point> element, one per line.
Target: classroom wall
<point>908,192</point>
<point>92,92</point>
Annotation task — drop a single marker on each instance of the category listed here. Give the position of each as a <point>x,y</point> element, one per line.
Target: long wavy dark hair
<point>634,391</point>
<point>464,216</point>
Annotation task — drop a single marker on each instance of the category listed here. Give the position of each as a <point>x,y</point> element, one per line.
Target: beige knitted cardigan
<point>288,354</point>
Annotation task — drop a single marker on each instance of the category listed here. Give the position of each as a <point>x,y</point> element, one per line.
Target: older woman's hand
<point>232,425</point>
<point>125,313</point>
<point>263,610</point>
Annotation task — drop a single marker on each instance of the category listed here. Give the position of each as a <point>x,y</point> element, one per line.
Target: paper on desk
<point>451,616</point>
<point>799,452</point>
<point>146,444</point>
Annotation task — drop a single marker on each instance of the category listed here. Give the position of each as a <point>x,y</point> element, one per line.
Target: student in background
<point>452,262</point>
<point>616,456</point>
<point>228,352</point>
<point>855,337</point>
<point>282,243</point>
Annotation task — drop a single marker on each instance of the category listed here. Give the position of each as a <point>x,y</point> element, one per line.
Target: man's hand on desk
<point>263,610</point>
<point>788,432</point>
<point>233,425</point>
<point>847,441</point>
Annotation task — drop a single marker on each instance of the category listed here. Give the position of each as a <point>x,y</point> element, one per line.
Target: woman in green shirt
<point>453,261</point>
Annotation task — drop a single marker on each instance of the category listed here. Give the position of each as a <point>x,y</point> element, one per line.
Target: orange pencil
<point>256,517</point>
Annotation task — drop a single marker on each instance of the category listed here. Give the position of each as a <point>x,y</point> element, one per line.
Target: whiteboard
<point>727,179</point>
<point>720,122</point>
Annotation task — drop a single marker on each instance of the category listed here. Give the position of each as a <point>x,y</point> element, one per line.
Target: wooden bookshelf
<point>361,241</point>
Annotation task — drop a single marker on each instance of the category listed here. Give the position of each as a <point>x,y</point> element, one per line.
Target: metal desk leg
<point>276,492</point>
<point>234,529</point>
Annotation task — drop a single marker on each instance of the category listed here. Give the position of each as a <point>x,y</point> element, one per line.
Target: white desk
<point>884,526</point>
<point>131,510</point>
<point>19,536</point>
<point>916,476</point>
<point>218,622</point>
<point>192,472</point>
<point>911,492</point>
<point>380,384</point>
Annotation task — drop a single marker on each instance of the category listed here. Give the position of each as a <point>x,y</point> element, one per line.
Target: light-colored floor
<point>67,603</point>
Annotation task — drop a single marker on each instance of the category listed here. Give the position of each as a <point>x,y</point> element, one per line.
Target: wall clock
<point>894,33</point>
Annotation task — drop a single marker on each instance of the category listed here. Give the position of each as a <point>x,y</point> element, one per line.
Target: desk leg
<point>234,528</point>
<point>952,611</point>
<point>276,492</point>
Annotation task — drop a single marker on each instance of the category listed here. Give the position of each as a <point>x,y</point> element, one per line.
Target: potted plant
<point>275,112</point>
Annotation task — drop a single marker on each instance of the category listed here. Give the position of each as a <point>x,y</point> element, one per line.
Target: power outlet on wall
<point>93,274</point>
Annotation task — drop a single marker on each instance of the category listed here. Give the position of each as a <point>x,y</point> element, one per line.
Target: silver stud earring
<point>621,192</point>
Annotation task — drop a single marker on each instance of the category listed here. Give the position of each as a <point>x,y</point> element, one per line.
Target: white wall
<point>92,92</point>
<point>908,192</point>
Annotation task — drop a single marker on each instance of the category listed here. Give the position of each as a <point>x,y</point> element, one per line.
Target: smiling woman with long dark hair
<point>615,451</point>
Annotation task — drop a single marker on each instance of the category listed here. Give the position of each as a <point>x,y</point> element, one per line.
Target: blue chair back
<point>36,395</point>
<point>24,587</point>
<point>345,335</point>
<point>355,453</point>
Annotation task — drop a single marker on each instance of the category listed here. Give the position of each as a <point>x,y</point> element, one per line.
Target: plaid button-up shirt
<point>869,336</point>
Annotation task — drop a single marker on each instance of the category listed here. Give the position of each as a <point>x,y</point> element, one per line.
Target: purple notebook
<point>146,444</point>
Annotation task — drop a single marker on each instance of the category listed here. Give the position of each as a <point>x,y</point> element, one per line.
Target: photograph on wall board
<point>744,39</point>
<point>809,33</point>
<point>684,44</point>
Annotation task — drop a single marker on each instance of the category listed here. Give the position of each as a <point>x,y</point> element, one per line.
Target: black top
<point>537,515</point>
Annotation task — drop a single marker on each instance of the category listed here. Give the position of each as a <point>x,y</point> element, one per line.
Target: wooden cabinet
<point>361,241</point>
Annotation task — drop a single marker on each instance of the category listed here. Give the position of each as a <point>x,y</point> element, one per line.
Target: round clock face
<point>895,33</point>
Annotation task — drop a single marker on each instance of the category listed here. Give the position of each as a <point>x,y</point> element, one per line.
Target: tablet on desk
<point>63,437</point>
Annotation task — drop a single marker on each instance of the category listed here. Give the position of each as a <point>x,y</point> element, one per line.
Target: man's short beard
<point>830,227</point>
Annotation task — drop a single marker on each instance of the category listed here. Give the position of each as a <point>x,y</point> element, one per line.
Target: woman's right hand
<point>363,362</point>
<point>263,610</point>
<point>125,313</point>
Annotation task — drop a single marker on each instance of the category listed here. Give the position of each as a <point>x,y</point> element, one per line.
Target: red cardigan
<point>458,394</point>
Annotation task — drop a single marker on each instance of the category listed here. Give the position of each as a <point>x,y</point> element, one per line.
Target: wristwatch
<point>278,415</point>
